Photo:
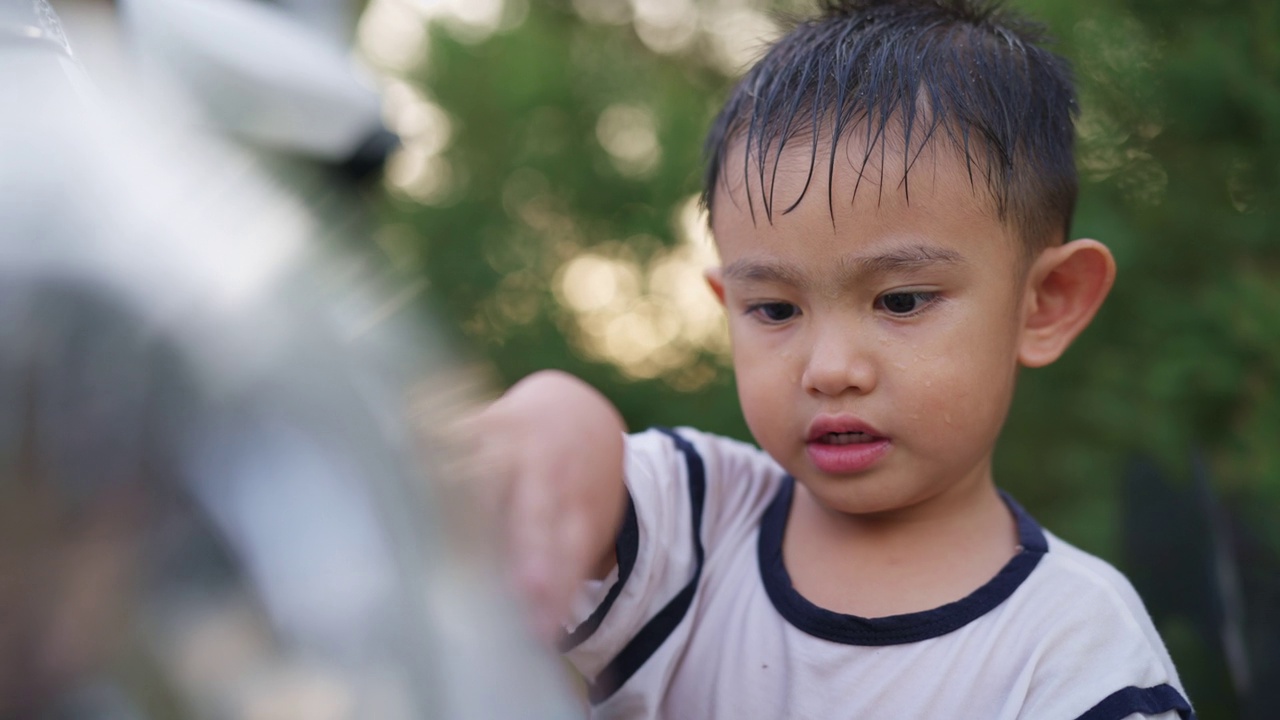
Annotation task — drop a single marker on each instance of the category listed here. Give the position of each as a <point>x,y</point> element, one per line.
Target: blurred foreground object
<point>275,76</point>
<point>210,505</point>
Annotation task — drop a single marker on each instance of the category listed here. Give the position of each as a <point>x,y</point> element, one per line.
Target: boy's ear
<point>1065,287</point>
<point>716,281</point>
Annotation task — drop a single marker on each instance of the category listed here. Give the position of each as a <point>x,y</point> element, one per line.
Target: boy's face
<point>875,341</point>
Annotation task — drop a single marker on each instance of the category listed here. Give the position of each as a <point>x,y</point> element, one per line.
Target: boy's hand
<point>549,459</point>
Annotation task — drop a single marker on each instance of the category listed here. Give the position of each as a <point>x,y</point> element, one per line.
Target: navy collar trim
<point>894,629</point>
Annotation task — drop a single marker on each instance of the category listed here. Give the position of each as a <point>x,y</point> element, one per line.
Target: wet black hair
<point>907,69</point>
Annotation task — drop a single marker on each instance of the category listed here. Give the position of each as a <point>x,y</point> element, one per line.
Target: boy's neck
<point>920,557</point>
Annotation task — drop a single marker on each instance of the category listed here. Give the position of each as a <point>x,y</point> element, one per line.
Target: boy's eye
<point>774,312</point>
<point>904,303</point>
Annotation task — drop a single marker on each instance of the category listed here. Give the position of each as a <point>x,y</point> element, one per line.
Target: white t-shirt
<point>700,621</point>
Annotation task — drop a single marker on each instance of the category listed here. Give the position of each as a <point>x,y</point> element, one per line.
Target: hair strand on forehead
<point>900,71</point>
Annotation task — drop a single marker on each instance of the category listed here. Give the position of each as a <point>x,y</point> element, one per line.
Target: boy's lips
<point>824,425</point>
<point>843,444</point>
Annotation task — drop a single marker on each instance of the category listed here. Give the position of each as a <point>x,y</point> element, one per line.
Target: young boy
<point>890,192</point>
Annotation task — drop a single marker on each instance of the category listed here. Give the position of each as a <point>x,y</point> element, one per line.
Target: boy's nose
<point>836,366</point>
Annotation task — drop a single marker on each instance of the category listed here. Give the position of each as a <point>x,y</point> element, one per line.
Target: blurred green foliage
<point>1179,154</point>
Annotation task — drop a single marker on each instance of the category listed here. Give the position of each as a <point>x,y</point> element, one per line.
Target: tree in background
<point>547,194</point>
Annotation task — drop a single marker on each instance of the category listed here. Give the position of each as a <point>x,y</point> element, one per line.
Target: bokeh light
<point>629,134</point>
<point>649,319</point>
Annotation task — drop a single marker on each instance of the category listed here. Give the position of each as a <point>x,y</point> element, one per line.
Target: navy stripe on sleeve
<point>659,628</point>
<point>626,547</point>
<point>1144,701</point>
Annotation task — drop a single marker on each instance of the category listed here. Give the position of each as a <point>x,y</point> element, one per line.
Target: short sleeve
<point>687,493</point>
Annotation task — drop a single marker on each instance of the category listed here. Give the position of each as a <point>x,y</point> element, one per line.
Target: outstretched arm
<point>551,456</point>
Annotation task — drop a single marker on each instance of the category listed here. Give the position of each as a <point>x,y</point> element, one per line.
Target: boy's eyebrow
<point>850,267</point>
<point>763,271</point>
<point>906,258</point>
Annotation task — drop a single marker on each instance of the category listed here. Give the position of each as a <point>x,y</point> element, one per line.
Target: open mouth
<point>845,445</point>
<point>845,438</point>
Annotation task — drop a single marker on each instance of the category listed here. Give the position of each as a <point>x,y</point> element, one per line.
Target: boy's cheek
<point>956,392</point>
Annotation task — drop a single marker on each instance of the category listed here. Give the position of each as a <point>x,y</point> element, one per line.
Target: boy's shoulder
<point>1090,574</point>
<point>678,455</point>
<point>703,441</point>
<point>1081,585</point>
<point>1079,606</point>
<point>674,474</point>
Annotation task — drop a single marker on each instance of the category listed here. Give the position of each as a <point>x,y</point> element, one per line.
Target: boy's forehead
<point>856,178</point>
